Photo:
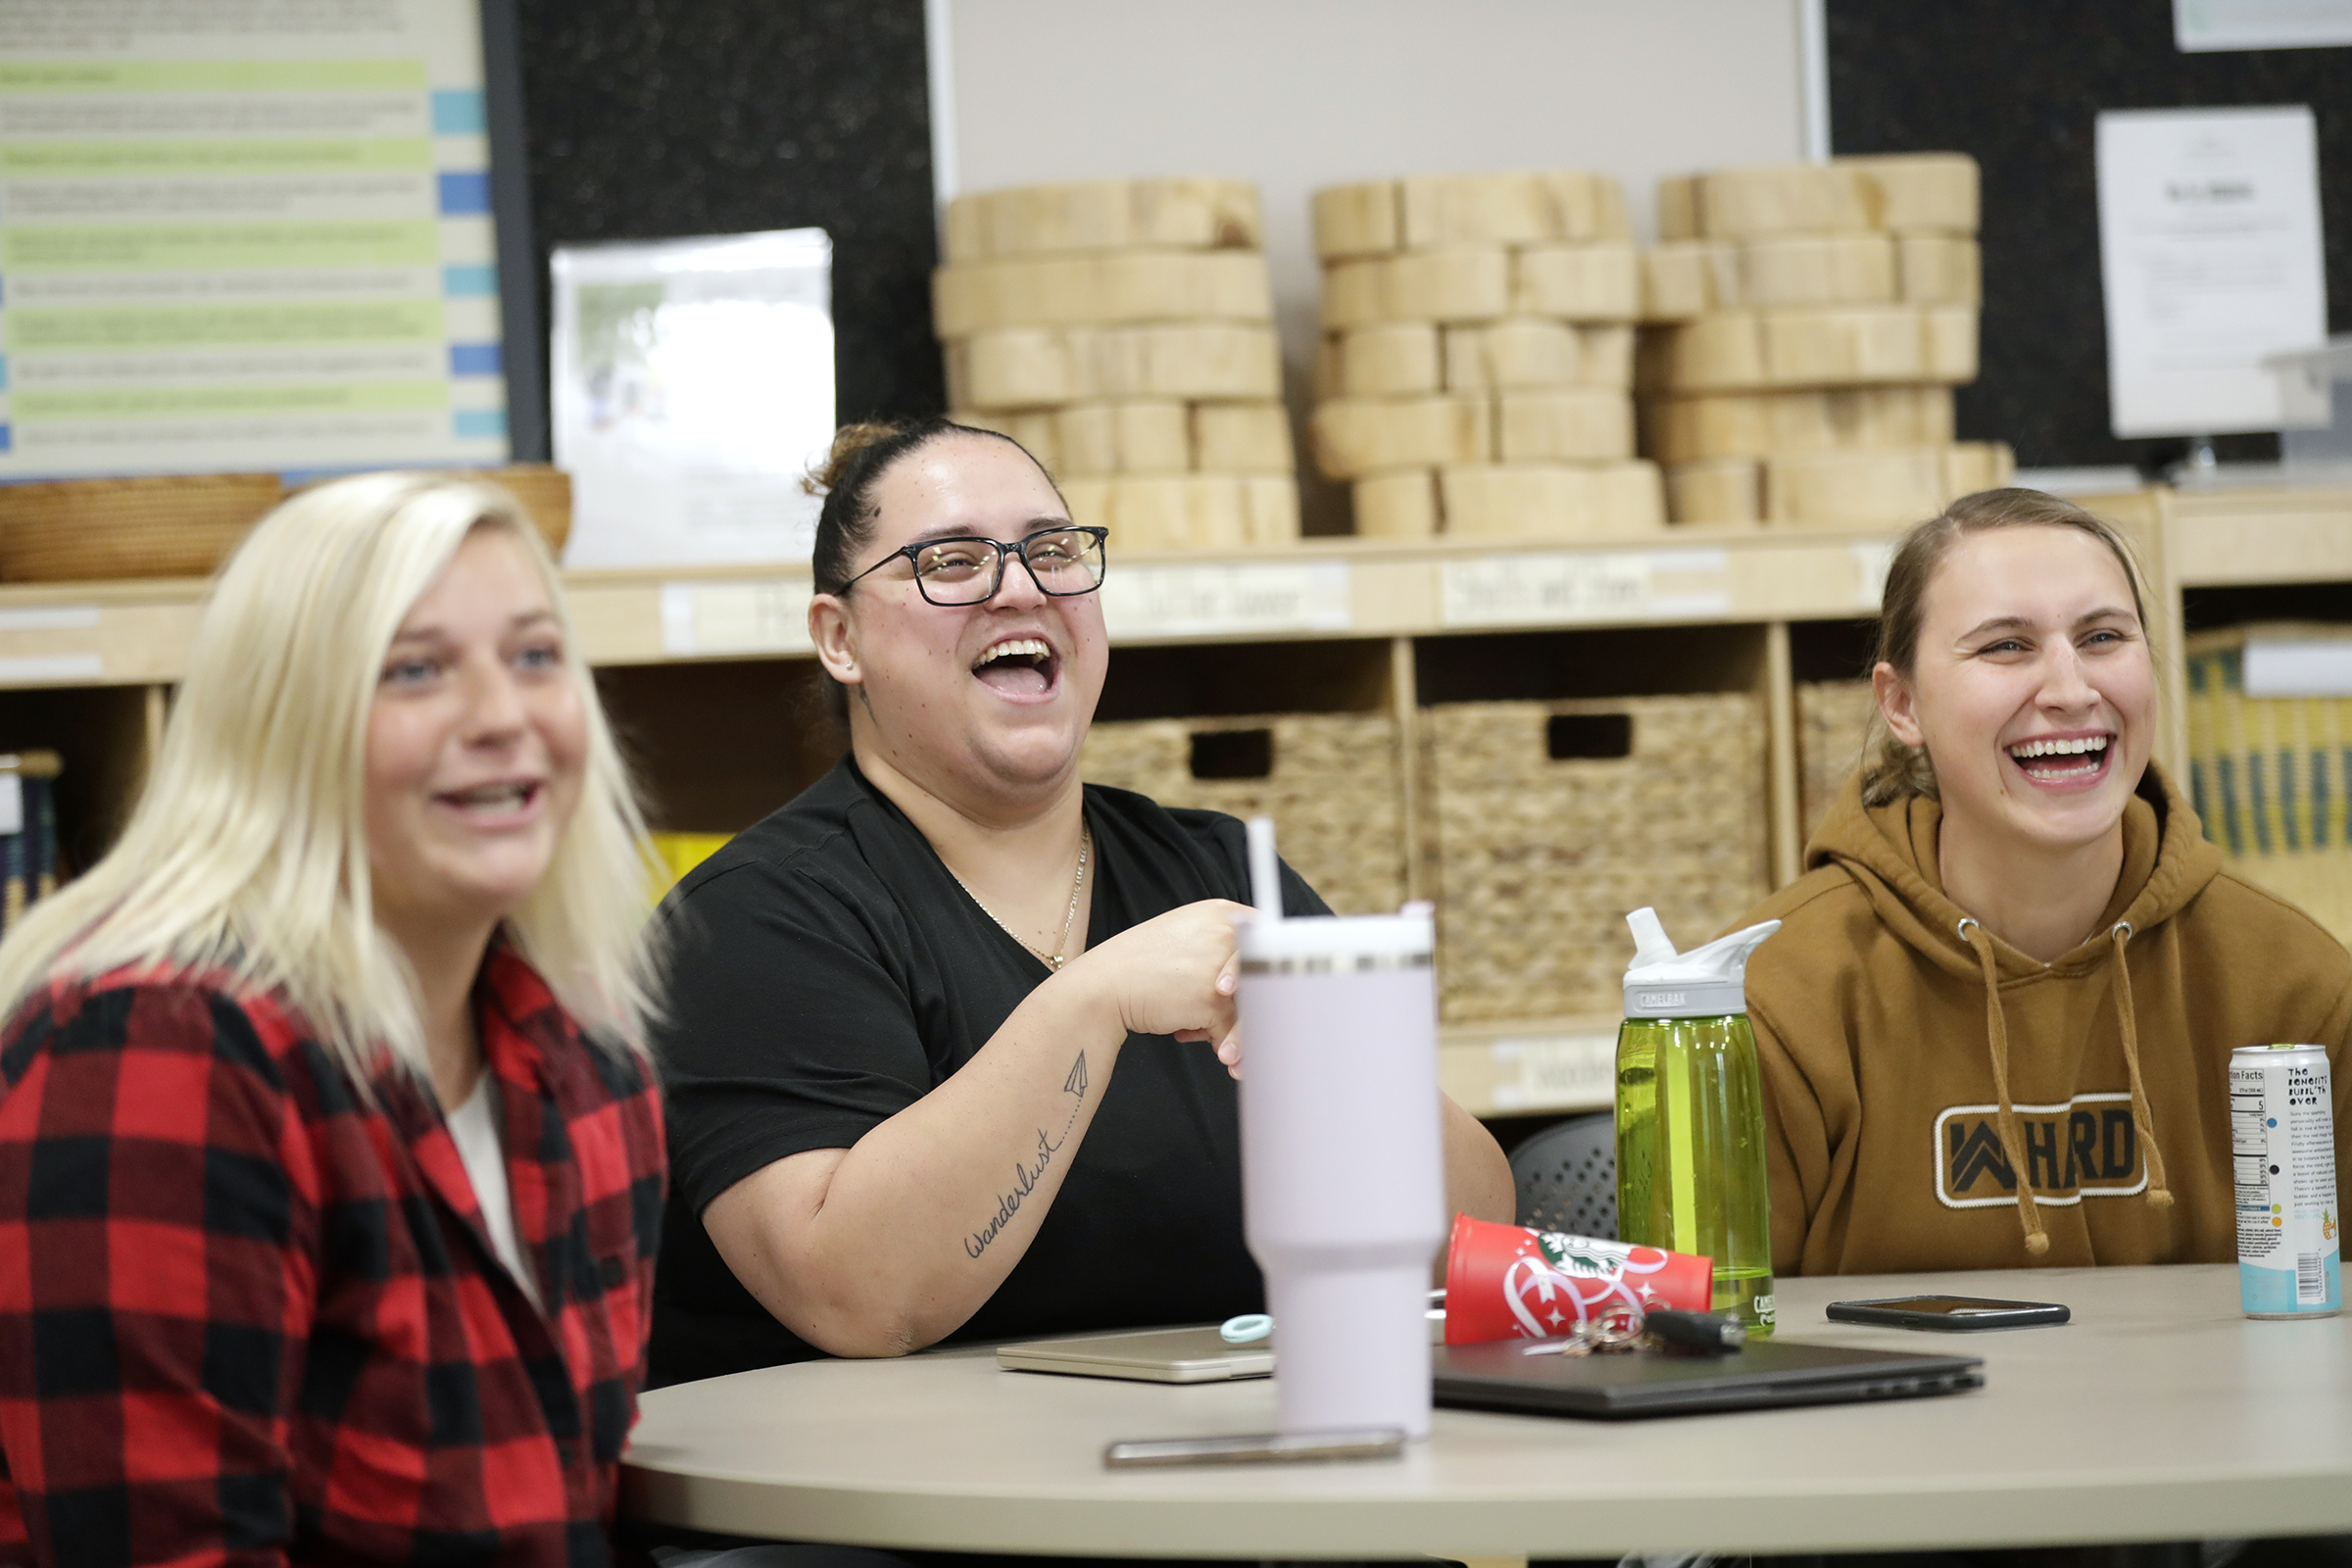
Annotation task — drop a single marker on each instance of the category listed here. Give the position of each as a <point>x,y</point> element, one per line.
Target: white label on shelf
<point>12,804</point>
<point>2277,667</point>
<point>735,618</point>
<point>1554,1072</point>
<point>37,669</point>
<point>1873,558</point>
<point>1208,601</point>
<point>49,617</point>
<point>1581,586</point>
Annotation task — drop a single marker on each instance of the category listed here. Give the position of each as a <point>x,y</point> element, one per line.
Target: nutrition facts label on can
<point>2258,1233</point>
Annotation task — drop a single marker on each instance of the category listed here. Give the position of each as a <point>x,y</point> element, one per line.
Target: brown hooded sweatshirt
<point>1899,1105</point>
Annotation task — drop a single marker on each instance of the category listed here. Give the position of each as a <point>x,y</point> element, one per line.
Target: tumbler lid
<point>1323,944</point>
<point>1337,942</point>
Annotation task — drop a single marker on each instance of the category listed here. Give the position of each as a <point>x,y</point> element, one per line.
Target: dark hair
<point>860,455</point>
<point>1891,769</point>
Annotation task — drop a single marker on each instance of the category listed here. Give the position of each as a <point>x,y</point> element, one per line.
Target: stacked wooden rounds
<point>1806,325</point>
<point>1477,355</point>
<point>1122,330</point>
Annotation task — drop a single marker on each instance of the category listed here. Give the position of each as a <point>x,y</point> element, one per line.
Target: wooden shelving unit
<point>708,674</point>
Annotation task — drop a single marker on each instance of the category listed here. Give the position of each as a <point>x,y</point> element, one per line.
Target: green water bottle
<point>1691,1113</point>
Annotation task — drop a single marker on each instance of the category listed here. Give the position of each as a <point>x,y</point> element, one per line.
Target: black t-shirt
<point>829,972</point>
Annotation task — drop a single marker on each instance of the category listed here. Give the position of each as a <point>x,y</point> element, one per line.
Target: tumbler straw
<point>1265,872</point>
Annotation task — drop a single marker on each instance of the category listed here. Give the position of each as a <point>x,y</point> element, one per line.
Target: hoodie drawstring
<point>2160,1193</point>
<point>1996,1035</point>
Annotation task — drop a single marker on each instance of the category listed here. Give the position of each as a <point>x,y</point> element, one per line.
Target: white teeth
<point>494,795</point>
<point>2027,750</point>
<point>1015,647</point>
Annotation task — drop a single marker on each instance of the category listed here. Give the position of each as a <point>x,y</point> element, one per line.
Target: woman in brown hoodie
<point>1996,1022</point>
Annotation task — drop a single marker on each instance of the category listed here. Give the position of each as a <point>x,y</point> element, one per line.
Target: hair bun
<point>848,442</point>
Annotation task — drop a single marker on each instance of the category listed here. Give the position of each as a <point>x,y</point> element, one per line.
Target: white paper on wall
<point>693,388</point>
<point>2209,253</point>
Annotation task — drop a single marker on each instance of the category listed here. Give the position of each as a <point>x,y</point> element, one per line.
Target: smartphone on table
<point>1947,1313</point>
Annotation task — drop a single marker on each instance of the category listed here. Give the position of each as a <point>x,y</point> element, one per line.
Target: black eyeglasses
<point>1061,561</point>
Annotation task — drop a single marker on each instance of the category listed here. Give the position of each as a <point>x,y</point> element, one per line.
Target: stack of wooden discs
<point>1807,326</point>
<point>1477,359</point>
<point>1122,330</point>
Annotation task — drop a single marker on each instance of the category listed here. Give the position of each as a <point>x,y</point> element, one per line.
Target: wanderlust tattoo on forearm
<point>1025,1175</point>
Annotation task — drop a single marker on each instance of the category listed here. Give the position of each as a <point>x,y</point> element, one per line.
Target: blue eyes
<point>536,658</point>
<point>2102,638</point>
<point>410,672</point>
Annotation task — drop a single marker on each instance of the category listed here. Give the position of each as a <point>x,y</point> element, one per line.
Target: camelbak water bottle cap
<point>1704,983</point>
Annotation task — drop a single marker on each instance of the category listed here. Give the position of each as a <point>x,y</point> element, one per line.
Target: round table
<point>2159,1413</point>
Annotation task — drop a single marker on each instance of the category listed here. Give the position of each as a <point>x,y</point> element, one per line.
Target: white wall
<point>1299,94</point>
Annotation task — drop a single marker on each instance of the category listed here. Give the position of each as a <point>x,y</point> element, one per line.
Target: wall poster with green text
<point>245,235</point>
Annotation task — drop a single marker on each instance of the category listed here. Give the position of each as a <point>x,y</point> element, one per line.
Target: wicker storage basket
<point>2272,780</point>
<point>97,530</point>
<point>1832,719</point>
<point>1541,859</point>
<point>1330,782</point>
<point>87,530</point>
<point>545,492</point>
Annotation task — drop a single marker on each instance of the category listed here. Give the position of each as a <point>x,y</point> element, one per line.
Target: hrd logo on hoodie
<point>2082,1147</point>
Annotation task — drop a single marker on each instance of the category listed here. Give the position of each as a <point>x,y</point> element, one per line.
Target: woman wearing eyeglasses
<point>948,1050</point>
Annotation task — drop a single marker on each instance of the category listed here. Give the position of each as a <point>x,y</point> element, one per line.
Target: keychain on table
<point>1621,1330</point>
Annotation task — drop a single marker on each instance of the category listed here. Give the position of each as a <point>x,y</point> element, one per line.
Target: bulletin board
<point>2019,84</point>
<point>648,119</point>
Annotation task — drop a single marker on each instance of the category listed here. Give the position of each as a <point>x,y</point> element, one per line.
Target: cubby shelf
<point>708,675</point>
<point>137,632</point>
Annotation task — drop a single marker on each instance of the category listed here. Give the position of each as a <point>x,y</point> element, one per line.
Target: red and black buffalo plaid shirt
<point>248,1318</point>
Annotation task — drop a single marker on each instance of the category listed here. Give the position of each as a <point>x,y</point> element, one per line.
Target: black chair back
<point>1567,1177</point>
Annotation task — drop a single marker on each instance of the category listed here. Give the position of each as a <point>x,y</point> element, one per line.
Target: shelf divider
<point>1781,769</point>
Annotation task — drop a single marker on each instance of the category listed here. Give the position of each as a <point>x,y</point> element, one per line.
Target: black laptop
<point>1520,1374</point>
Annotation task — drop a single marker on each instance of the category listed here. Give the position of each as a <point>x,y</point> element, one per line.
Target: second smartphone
<point>1947,1313</point>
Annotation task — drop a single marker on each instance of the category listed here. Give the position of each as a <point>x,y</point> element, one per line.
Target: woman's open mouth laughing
<point>504,804</point>
<point>2060,762</point>
<point>1025,669</point>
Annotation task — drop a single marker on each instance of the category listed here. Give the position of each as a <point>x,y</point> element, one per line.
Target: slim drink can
<point>2283,1149</point>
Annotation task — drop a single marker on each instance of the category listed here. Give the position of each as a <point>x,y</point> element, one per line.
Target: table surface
<point>2159,1413</point>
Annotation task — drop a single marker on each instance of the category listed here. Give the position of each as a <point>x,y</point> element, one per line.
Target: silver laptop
<point>1145,1355</point>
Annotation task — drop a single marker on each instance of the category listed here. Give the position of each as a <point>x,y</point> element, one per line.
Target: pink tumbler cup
<point>1342,1170</point>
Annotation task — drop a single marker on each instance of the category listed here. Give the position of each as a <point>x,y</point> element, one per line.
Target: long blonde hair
<point>1890,769</point>
<point>247,854</point>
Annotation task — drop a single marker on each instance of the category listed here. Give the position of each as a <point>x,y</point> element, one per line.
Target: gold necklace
<point>1057,958</point>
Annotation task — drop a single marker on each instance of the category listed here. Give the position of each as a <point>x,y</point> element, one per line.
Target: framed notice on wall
<point>2210,257</point>
<point>246,237</point>
<point>693,388</point>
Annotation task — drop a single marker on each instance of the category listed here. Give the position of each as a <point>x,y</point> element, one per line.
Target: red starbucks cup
<point>1506,1282</point>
